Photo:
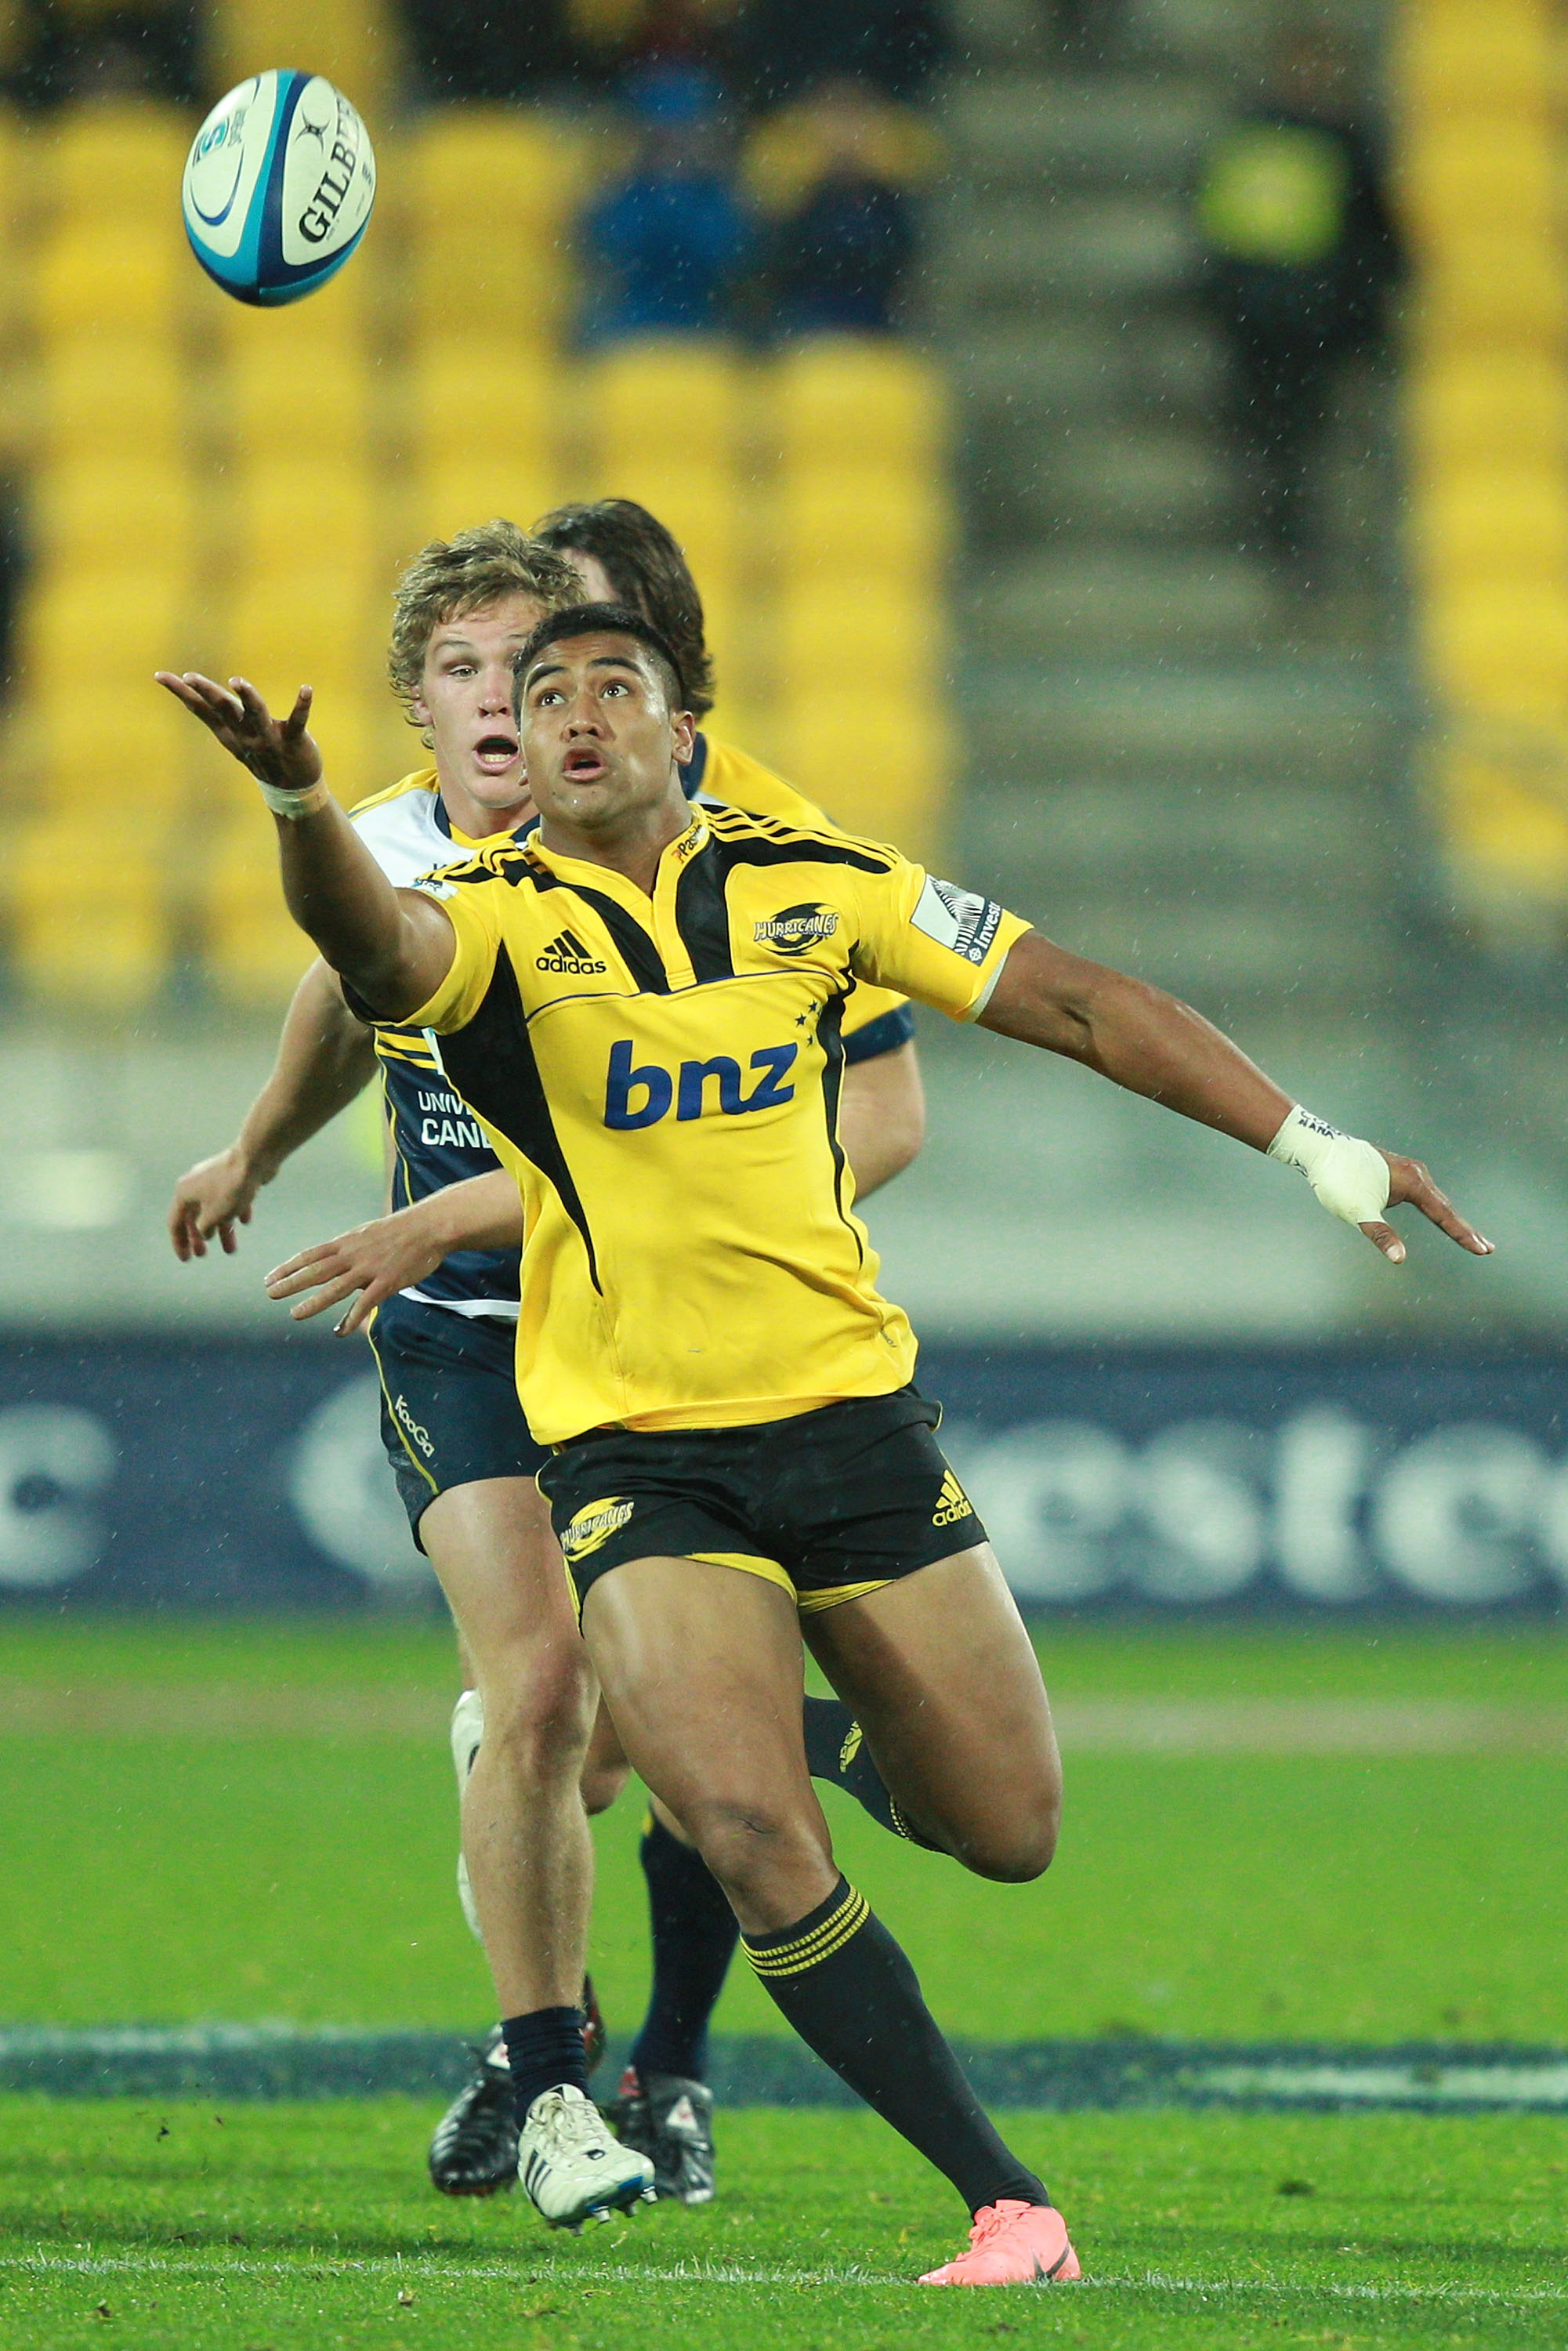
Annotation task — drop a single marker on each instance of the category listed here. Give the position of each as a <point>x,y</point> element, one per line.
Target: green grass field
<point>292,2229</point>
<point>162,1873</point>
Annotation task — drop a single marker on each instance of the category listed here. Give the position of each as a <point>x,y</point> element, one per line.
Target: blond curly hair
<point>464,574</point>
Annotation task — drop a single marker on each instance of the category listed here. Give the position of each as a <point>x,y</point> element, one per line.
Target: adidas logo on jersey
<point>952,1503</point>
<point>569,956</point>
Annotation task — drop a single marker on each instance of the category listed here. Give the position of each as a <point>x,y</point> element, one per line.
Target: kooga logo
<point>640,1094</point>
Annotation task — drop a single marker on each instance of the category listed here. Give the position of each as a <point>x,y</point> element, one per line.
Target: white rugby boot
<point>570,2166</point>
<point>467,1731</point>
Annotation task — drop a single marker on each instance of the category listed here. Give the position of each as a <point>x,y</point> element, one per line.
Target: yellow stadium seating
<point>90,512</point>
<point>1482,289</point>
<point>834,635</point>
<point>116,161</point>
<point>315,627</point>
<point>89,922</point>
<point>294,514</point>
<point>102,397</point>
<point>676,404</point>
<point>1489,408</point>
<point>1474,55</point>
<point>107,277</point>
<point>841,524</point>
<point>138,767</point>
<point>1501,172</point>
<point>102,633</point>
<point>703,508</point>
<point>454,491</point>
<point>1489,525</point>
<point>881,765</point>
<point>353,42</point>
<point>1502,649</point>
<point>256,953</point>
<point>860,401</point>
<point>520,175</point>
<point>468,395</point>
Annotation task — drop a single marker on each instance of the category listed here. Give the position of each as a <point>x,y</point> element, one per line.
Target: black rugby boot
<point>475,2149</point>
<point>669,2120</point>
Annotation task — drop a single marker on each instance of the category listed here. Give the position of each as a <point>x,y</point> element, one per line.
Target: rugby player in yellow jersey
<point>444,1345</point>
<point>738,1446</point>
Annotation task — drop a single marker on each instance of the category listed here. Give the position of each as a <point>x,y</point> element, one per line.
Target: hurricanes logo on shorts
<point>595,1525</point>
<point>952,1503</point>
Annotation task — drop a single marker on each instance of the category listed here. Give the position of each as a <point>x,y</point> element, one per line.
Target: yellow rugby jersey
<point>662,1078</point>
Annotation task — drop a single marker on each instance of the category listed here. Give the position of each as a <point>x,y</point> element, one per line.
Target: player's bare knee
<point>538,1717</point>
<point>748,1844</point>
<point>1012,1851</point>
<point>600,1783</point>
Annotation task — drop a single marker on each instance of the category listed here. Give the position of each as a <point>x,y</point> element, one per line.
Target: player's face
<point>599,740</point>
<point>466,701</point>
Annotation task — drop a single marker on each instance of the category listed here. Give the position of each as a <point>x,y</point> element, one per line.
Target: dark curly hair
<point>648,571</point>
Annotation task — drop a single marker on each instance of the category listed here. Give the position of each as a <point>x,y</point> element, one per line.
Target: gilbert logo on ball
<point>278,187</point>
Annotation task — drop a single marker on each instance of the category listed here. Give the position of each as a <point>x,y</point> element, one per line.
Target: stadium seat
<point>116,159</point>
<point>353,42</point>
<point>101,634</point>
<point>1487,408</point>
<point>880,765</point>
<point>100,398</point>
<point>831,635</point>
<point>462,487</point>
<point>1483,290</point>
<point>89,921</point>
<point>1499,171</point>
<point>472,395</point>
<point>1502,649</point>
<point>107,277</point>
<point>1492,524</point>
<point>1454,56</point>
<point>676,402</point>
<point>87,510</point>
<point>146,772</point>
<point>841,524</point>
<point>255,952</point>
<point>290,511</point>
<point>853,401</point>
<point>526,172</point>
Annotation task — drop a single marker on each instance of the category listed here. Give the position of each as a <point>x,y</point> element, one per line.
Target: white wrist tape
<point>285,800</point>
<point>1350,1177</point>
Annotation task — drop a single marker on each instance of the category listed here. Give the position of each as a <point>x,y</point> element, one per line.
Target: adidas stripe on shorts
<point>828,1505</point>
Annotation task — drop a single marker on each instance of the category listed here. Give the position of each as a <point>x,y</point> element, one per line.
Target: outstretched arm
<point>394,947</point>
<point>1147,1041</point>
<point>324,1059</point>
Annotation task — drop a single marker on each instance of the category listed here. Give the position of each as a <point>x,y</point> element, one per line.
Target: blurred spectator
<point>1302,255</point>
<point>488,49</point>
<point>672,236</point>
<point>616,35</point>
<point>838,173</point>
<point>783,48</point>
<point>101,49</point>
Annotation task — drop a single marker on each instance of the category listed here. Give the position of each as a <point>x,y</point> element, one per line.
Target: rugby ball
<point>278,187</point>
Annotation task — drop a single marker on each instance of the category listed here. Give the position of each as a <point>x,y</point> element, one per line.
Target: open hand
<point>377,1259</point>
<point>1411,1185</point>
<point>284,753</point>
<point>211,1197</point>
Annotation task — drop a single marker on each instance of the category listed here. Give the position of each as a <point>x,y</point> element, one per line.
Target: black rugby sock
<point>845,1986</point>
<point>836,1751</point>
<point>694,1936</point>
<point>543,2051</point>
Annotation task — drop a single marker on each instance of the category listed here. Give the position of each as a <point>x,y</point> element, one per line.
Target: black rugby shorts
<point>450,1414</point>
<point>828,1505</point>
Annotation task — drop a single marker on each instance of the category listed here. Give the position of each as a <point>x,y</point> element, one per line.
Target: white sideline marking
<point>1108,1726</point>
<point>411,2267</point>
<point>1426,2084</point>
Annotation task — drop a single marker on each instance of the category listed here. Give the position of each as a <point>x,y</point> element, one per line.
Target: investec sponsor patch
<point>595,1525</point>
<point>957,919</point>
<point>795,928</point>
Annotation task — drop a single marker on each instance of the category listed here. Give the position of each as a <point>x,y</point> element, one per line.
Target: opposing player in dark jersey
<point>444,1329</point>
<point>738,1446</point>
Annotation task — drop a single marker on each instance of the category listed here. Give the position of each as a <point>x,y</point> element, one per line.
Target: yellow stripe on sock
<point>810,1950</point>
